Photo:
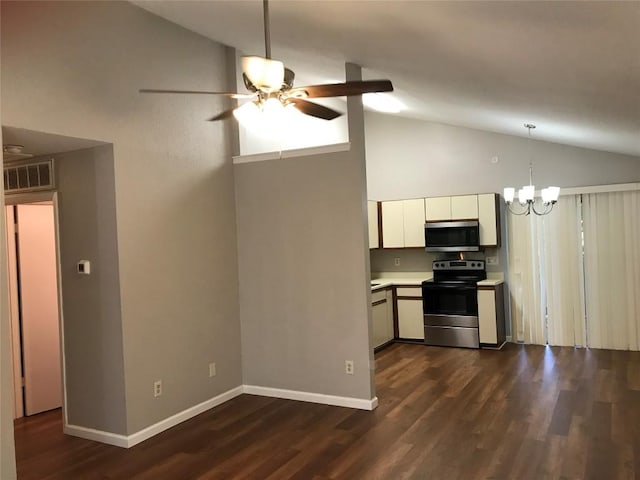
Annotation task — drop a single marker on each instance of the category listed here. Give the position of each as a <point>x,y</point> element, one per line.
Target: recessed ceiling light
<point>383,102</point>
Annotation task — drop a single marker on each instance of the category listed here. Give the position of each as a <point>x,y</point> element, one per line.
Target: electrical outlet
<point>157,388</point>
<point>396,261</point>
<point>212,370</point>
<point>492,260</point>
<point>348,367</point>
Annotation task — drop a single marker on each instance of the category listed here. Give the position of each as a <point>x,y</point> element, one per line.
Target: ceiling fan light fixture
<point>266,74</point>
<point>248,114</point>
<point>383,102</point>
<point>273,109</point>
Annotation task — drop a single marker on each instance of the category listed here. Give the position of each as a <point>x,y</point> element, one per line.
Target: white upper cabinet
<point>374,240</point>
<point>461,207</point>
<point>437,208</point>
<point>392,224</point>
<point>403,223</point>
<point>488,216</point>
<point>413,222</point>
<point>403,220</point>
<point>464,207</point>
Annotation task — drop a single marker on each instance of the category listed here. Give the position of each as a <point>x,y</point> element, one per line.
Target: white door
<point>39,307</point>
<point>12,270</point>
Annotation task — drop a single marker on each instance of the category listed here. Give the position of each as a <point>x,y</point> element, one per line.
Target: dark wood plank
<point>523,412</point>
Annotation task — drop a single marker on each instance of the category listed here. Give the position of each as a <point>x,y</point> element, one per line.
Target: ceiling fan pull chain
<point>267,39</point>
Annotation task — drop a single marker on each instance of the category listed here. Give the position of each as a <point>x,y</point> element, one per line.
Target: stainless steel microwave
<point>452,236</point>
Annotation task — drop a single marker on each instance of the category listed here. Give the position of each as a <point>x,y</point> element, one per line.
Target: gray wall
<point>92,323</point>
<point>304,286</point>
<point>74,68</point>
<point>411,158</point>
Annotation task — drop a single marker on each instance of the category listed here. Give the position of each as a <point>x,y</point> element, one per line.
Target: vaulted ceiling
<point>570,67</point>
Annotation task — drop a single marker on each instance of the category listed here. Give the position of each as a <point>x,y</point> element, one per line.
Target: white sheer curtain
<point>563,273</point>
<point>612,269</point>
<point>545,275</point>
<point>527,314</point>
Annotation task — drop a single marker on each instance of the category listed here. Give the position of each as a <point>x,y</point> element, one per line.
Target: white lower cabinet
<point>379,314</point>
<point>491,315</point>
<point>382,313</point>
<point>410,319</point>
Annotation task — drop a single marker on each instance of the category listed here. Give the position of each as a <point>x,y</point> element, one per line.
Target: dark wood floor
<point>525,412</point>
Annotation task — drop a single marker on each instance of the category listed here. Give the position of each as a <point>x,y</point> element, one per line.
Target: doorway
<point>34,303</point>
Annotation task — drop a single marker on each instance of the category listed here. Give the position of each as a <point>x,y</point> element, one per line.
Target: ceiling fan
<point>271,83</point>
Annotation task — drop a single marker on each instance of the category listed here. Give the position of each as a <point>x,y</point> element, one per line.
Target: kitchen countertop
<point>389,279</point>
<point>493,279</point>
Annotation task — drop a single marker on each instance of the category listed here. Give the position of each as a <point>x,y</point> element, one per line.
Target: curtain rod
<point>617,187</point>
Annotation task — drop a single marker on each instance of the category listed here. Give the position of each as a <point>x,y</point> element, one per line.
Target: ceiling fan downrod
<point>267,39</point>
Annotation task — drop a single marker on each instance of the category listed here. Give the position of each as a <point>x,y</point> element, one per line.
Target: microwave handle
<point>451,224</point>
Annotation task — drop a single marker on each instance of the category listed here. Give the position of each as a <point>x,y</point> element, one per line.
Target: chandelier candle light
<point>526,195</point>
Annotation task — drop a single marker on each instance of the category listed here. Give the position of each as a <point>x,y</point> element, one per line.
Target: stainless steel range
<point>450,303</point>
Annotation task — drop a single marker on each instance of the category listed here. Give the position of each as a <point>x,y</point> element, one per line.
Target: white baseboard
<point>127,441</point>
<point>97,435</point>
<point>508,339</point>
<point>349,402</point>
<point>131,440</point>
<point>180,417</point>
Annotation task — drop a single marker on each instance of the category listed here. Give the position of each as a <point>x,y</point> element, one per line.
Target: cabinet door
<point>464,207</point>
<point>379,317</point>
<point>389,335</point>
<point>372,209</point>
<point>392,224</point>
<point>487,316</point>
<point>437,208</point>
<point>410,319</point>
<point>488,218</point>
<point>413,218</point>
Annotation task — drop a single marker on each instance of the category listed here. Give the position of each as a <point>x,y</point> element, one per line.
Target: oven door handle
<point>440,286</point>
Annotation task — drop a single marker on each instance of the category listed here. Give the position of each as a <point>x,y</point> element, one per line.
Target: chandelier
<point>526,194</point>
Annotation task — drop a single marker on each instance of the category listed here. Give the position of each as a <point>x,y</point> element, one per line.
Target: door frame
<point>36,197</point>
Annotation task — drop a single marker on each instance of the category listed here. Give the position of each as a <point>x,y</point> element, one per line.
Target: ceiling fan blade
<point>313,109</point>
<point>222,115</point>
<point>198,92</point>
<point>345,89</point>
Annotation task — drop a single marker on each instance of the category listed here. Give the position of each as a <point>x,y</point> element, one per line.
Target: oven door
<point>450,299</point>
